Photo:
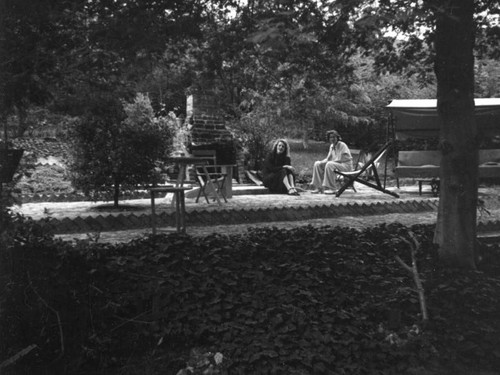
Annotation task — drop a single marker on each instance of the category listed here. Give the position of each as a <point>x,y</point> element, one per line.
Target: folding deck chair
<point>362,173</point>
<point>360,160</point>
<point>211,178</point>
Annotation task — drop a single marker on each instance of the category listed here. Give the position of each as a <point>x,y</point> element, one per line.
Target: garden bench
<point>424,165</point>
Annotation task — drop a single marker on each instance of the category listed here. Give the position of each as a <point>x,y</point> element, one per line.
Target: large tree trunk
<point>456,225</point>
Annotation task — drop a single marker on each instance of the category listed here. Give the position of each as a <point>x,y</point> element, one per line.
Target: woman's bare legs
<point>290,184</point>
<point>287,183</point>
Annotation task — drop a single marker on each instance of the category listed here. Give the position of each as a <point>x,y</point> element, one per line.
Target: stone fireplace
<point>207,130</point>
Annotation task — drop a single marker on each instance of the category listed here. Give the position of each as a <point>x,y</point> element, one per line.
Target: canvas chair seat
<point>366,171</point>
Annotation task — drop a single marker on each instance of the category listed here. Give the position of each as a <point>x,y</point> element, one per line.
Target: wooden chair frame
<point>210,177</point>
<point>213,180</point>
<point>361,174</point>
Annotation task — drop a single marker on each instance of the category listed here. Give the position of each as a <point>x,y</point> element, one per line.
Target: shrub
<point>309,300</point>
<point>119,146</point>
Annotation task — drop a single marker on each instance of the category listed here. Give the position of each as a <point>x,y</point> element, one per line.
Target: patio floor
<point>250,207</point>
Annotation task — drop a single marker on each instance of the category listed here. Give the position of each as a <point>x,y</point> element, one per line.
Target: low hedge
<point>302,301</point>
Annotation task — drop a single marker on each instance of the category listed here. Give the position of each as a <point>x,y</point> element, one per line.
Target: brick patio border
<point>203,217</point>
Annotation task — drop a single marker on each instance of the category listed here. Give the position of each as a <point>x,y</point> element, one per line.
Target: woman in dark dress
<point>277,173</point>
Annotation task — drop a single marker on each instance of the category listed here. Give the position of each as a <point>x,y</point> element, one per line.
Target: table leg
<point>153,214</point>
<point>182,175</point>
<point>177,208</point>
<point>228,185</point>
<point>183,211</point>
<point>180,180</point>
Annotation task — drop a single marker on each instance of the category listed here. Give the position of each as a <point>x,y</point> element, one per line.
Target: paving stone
<point>297,214</point>
<point>112,222</point>
<point>102,223</point>
<point>378,208</point>
<point>92,223</point>
<point>405,207</point>
<point>146,219</point>
<point>134,221</point>
<point>82,224</point>
<point>340,210</point>
<point>384,208</point>
<point>50,225</point>
<point>122,220</point>
<point>366,209</point>
<point>247,210</point>
<point>161,220</point>
<point>193,218</point>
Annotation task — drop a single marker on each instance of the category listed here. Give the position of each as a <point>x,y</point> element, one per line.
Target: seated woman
<point>339,158</point>
<point>277,174</point>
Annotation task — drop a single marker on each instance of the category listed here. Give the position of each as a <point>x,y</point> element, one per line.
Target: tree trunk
<point>456,225</point>
<point>116,193</point>
<point>22,116</point>
<point>305,138</point>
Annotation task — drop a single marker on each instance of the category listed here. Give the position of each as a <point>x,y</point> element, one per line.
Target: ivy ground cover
<point>303,301</point>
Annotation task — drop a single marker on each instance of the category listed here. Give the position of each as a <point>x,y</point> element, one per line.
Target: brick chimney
<point>207,128</point>
<point>205,120</point>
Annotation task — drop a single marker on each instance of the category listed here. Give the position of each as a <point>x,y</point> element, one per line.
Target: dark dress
<point>273,173</point>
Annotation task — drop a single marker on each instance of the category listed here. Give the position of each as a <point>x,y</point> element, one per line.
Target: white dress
<point>339,158</point>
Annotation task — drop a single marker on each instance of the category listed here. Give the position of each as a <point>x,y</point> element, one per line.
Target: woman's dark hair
<point>335,133</point>
<point>287,147</point>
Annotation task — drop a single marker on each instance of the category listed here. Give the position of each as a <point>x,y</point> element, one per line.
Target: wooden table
<point>183,162</point>
<point>180,206</point>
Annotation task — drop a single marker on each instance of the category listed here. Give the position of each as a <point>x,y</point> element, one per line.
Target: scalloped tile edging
<point>204,217</point>
<point>75,197</point>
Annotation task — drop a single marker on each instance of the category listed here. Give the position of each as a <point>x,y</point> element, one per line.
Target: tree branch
<point>413,270</point>
<point>17,356</point>
<point>56,313</point>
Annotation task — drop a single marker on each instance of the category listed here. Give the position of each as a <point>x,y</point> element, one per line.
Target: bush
<point>119,147</point>
<point>327,300</point>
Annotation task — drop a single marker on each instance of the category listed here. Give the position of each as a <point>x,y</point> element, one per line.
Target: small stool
<point>180,206</point>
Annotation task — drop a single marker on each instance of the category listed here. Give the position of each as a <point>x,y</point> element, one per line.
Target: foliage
<point>39,121</point>
<point>257,129</point>
<point>30,258</point>
<point>303,158</point>
<point>119,147</point>
<point>27,62</point>
<point>66,52</point>
<point>301,108</point>
<point>45,179</point>
<point>487,76</point>
<point>303,57</point>
<point>328,300</point>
